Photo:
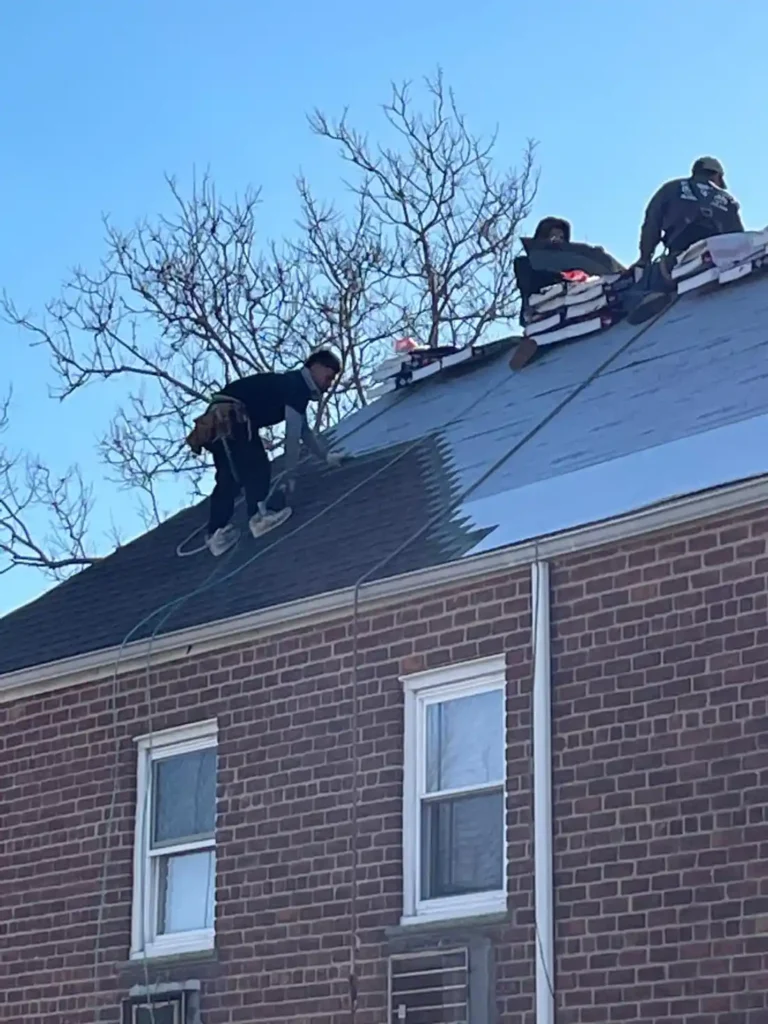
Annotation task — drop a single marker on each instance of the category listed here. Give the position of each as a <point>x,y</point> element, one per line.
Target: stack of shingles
<point>570,309</point>
<point>720,260</point>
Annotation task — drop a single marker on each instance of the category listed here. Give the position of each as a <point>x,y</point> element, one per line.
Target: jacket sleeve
<point>524,277</point>
<point>650,233</point>
<point>318,447</point>
<point>297,430</point>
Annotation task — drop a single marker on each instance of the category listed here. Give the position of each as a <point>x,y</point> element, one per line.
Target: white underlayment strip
<point>615,488</point>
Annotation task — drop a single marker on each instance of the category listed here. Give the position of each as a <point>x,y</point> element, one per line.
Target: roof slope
<point>683,408</point>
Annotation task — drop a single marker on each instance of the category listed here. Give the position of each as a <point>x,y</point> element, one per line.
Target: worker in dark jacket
<point>683,211</point>
<point>554,231</point>
<point>230,431</point>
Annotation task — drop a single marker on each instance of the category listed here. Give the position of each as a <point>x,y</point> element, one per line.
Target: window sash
<point>152,941</point>
<point>153,907</point>
<point>442,906</point>
<point>156,758</point>
<point>423,702</point>
<point>173,844</point>
<point>431,866</point>
<point>196,846</point>
<point>446,794</point>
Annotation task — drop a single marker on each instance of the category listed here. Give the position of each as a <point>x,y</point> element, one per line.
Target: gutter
<point>252,626</point>
<point>542,795</point>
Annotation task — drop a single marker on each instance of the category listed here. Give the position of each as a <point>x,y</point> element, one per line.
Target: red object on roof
<point>575,275</point>
<point>406,345</point>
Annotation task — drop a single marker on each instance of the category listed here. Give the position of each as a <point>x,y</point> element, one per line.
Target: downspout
<point>542,796</point>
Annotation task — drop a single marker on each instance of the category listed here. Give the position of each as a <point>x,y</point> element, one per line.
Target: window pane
<point>462,845</point>
<point>184,797</point>
<point>465,741</point>
<point>187,890</point>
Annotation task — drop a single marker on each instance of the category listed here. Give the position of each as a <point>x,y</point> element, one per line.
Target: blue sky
<point>102,99</point>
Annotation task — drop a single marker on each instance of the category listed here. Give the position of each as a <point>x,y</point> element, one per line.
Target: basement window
<point>454,799</point>
<point>174,885</point>
<point>430,987</point>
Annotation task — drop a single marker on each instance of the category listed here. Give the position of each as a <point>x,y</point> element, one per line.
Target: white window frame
<point>144,940</point>
<point>422,689</point>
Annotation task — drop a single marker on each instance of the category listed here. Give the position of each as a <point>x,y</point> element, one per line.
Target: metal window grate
<point>168,1009</point>
<point>429,987</point>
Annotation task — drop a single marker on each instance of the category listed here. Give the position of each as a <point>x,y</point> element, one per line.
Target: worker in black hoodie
<point>683,211</point>
<point>550,257</point>
<point>229,430</point>
<point>554,231</point>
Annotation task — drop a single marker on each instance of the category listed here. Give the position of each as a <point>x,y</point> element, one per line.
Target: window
<point>174,885</point>
<point>454,807</point>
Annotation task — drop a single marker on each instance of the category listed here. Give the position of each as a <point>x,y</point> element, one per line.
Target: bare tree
<point>449,216</point>
<point>44,518</point>
<point>187,302</point>
<point>176,309</point>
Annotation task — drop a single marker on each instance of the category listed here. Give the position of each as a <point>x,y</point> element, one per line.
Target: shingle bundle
<point>720,260</point>
<point>572,308</point>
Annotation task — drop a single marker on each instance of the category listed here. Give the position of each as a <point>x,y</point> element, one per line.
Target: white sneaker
<point>263,522</point>
<point>223,539</point>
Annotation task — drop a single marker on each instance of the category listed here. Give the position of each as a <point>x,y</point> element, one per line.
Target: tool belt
<point>223,418</point>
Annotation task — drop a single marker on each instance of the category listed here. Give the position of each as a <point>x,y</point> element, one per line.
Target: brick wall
<point>661,776</point>
<point>283,835</point>
<point>661,779</point>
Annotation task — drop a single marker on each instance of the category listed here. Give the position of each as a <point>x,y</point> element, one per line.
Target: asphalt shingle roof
<point>699,369</point>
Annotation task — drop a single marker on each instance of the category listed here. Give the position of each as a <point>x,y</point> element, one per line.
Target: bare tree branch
<point>350,301</point>
<point>452,220</point>
<point>5,409</point>
<point>31,495</point>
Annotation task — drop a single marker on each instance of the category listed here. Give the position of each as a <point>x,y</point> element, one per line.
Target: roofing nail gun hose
<point>164,612</point>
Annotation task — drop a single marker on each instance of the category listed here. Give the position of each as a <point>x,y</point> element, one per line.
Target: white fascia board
<point>253,626</point>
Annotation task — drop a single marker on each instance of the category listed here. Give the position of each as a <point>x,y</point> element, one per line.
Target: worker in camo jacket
<point>229,429</point>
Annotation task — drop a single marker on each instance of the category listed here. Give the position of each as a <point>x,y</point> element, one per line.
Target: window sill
<point>456,910</point>
<point>177,968</point>
<point>197,946</point>
<point>440,925</point>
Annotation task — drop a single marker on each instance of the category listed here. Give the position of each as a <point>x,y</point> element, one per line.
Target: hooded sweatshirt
<point>530,281</point>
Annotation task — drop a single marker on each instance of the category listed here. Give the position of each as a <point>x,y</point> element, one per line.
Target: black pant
<point>241,464</point>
